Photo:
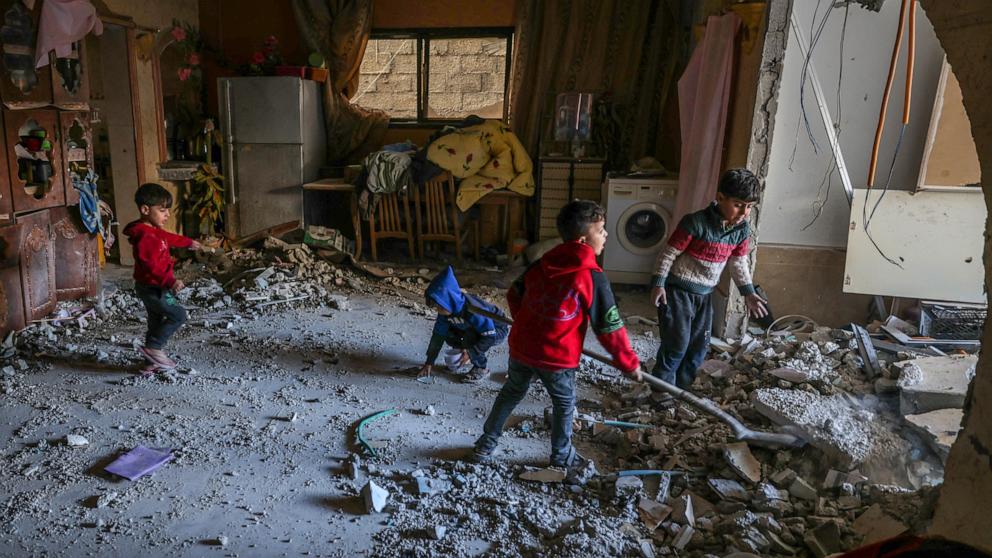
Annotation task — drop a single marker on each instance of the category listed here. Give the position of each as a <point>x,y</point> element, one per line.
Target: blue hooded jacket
<point>445,292</point>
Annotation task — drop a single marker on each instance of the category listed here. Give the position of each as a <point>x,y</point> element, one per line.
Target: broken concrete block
<point>375,497</point>
<point>931,383</point>
<point>75,440</point>
<point>658,441</point>
<point>652,513</point>
<point>784,477</point>
<point>728,489</point>
<point>717,369</point>
<point>802,490</point>
<point>790,375</point>
<point>683,537</point>
<point>875,525</point>
<point>627,487</point>
<point>824,540</point>
<point>438,531</point>
<point>339,302</point>
<point>544,475</point>
<point>742,462</point>
<point>778,546</point>
<point>646,548</point>
<point>939,428</point>
<point>886,386</point>
<point>682,511</point>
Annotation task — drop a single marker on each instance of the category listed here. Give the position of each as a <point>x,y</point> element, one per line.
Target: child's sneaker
<point>481,456</point>
<point>156,356</point>
<point>476,375</point>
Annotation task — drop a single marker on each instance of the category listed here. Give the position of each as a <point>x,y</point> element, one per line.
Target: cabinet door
<point>75,255</point>
<point>37,265</point>
<point>587,181</point>
<point>6,202</point>
<point>554,196</point>
<point>34,159</point>
<point>77,150</point>
<point>21,85</point>
<point>70,79</point>
<point>11,297</point>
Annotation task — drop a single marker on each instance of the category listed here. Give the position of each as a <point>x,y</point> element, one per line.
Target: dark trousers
<point>476,345</point>
<point>685,324</point>
<point>561,387</point>
<point>165,314</point>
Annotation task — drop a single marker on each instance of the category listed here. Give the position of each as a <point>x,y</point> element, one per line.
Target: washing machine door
<point>643,228</point>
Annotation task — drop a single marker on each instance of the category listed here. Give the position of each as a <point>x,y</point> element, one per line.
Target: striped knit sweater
<point>699,249</point>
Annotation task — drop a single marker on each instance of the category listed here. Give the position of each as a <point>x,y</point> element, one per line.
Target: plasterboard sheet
<point>937,238</point>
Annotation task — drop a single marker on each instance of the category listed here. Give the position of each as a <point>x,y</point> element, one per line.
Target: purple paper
<point>139,462</point>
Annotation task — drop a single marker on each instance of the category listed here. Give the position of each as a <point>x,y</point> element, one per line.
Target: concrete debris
<point>790,375</point>
<point>375,497</point>
<point>544,475</point>
<point>652,512</point>
<point>682,512</point>
<point>429,411</point>
<point>740,459</point>
<point>75,440</point>
<point>729,489</point>
<point>627,487</point>
<point>437,533</point>
<point>938,428</point>
<point>931,383</point>
<point>824,540</point>
<point>683,537</point>
<point>875,525</point>
<point>802,490</point>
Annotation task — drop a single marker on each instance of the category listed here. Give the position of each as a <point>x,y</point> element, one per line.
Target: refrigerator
<point>274,142</point>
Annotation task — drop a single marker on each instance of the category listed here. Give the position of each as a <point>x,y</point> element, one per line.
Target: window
<point>436,76</point>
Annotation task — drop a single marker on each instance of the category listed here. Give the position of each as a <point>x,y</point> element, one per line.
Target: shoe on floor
<point>156,356</point>
<point>480,456</point>
<point>476,375</point>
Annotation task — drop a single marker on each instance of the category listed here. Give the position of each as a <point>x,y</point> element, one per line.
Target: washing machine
<point>639,221</point>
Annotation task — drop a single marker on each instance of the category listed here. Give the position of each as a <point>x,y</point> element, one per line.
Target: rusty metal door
<point>34,159</point>
<point>77,149</point>
<point>37,265</point>
<point>11,297</point>
<point>21,84</point>
<point>75,255</point>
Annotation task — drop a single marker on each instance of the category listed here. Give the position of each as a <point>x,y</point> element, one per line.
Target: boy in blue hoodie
<point>460,328</point>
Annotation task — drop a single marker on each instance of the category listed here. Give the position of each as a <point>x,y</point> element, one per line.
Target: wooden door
<point>6,202</point>
<point>75,255</point>
<point>70,79</point>
<point>11,296</point>
<point>37,265</point>
<point>77,150</point>
<point>34,159</point>
<point>21,85</point>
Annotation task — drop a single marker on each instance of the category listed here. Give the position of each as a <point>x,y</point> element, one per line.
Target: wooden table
<point>339,185</point>
<point>507,200</point>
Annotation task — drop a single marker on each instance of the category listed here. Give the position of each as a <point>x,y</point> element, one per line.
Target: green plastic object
<point>316,60</point>
<point>359,432</point>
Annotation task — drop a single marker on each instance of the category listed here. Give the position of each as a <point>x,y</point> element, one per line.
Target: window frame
<point>423,37</point>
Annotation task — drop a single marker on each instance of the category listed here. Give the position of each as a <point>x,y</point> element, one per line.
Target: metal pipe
<point>885,96</point>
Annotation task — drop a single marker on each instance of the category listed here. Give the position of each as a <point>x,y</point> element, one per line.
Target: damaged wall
<point>795,180</point>
<point>965,31</point>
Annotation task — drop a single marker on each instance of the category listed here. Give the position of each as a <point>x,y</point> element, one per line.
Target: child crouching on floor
<point>460,328</point>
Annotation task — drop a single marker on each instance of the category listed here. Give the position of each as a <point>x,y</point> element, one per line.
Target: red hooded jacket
<point>554,300</point>
<point>152,261</point>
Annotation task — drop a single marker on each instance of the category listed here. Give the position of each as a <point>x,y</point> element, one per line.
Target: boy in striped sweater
<point>688,269</point>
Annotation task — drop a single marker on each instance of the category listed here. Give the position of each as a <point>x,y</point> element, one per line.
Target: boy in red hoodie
<point>551,304</point>
<point>155,284</point>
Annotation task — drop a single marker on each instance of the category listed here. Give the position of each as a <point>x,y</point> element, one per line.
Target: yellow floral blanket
<point>485,157</point>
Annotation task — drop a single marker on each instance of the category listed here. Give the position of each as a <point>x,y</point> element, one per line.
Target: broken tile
<point>824,540</point>
<point>375,497</point>
<point>802,490</point>
<point>683,537</point>
<point>652,513</point>
<point>790,375</point>
<point>783,477</point>
<point>682,511</point>
<point>742,462</point>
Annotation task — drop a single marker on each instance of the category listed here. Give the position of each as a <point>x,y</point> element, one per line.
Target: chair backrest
<point>389,218</point>
<point>438,197</point>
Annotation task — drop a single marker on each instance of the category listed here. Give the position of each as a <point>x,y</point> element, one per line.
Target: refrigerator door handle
<point>229,167</point>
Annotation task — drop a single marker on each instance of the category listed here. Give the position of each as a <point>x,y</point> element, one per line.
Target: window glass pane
<point>466,77</point>
<point>388,80</point>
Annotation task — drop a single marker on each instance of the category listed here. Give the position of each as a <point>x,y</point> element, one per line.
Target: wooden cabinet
<point>34,159</point>
<point>37,259</point>
<point>21,85</point>
<point>77,150</point>
<point>6,201</point>
<point>562,180</point>
<point>70,79</point>
<point>75,255</point>
<point>11,296</point>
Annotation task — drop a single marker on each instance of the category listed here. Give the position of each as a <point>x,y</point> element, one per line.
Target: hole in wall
<point>34,151</point>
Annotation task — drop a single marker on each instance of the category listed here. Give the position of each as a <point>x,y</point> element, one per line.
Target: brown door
<point>77,150</point>
<point>70,79</point>
<point>11,297</point>
<point>37,265</point>
<point>34,159</point>
<point>75,255</point>
<point>6,202</point>
<point>21,85</point>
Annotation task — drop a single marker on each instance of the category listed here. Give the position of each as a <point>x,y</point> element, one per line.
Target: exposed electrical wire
<point>816,31</point>
<point>867,217</point>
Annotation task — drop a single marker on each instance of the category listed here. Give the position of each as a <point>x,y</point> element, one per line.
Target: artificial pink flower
<point>194,59</point>
<point>178,33</point>
<point>184,73</point>
<point>257,58</point>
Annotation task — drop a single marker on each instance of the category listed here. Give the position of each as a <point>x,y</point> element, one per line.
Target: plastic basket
<point>942,321</point>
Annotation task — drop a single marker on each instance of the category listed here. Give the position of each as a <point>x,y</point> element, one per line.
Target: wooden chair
<point>437,215</point>
<point>387,222</point>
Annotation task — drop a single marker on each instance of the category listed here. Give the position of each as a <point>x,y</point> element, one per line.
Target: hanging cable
<point>815,32</point>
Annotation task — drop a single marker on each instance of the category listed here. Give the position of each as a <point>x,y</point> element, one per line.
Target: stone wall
<point>466,77</point>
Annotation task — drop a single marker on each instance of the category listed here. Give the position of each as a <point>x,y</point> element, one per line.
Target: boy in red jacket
<point>551,304</point>
<point>154,283</point>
